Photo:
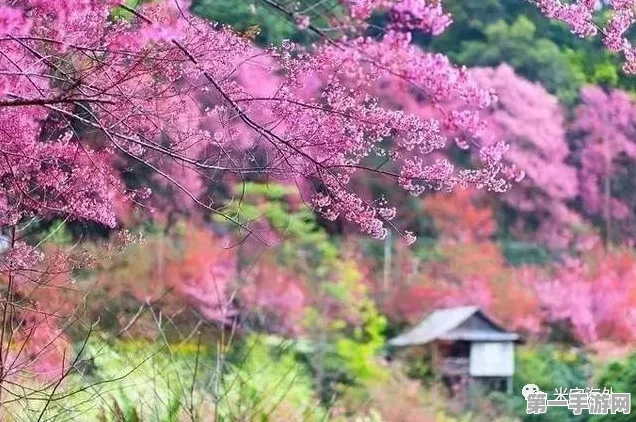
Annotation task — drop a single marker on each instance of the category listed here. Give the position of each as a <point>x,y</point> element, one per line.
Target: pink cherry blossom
<point>579,16</point>
<point>605,134</point>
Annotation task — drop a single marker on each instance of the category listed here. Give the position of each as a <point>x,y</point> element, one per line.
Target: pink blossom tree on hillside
<point>604,134</point>
<point>579,16</point>
<point>129,87</point>
<point>594,297</point>
<point>88,87</point>
<point>532,122</point>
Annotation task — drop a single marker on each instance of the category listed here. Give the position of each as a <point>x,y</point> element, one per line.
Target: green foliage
<point>534,57</point>
<point>422,370</point>
<point>244,16</point>
<point>57,234</point>
<point>120,13</point>
<point>153,383</point>
<point>265,381</point>
<point>140,381</point>
<point>521,253</point>
<point>359,351</point>
<point>549,368</point>
<point>271,204</point>
<point>272,24</point>
<point>621,378</point>
<point>346,344</point>
<point>124,408</point>
<point>490,32</point>
<point>131,381</point>
<point>346,331</point>
<point>358,334</point>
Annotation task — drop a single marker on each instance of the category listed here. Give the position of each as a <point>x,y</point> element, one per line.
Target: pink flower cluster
<point>580,17</point>
<point>278,296</point>
<point>422,15</point>
<point>408,15</point>
<point>596,300</point>
<point>531,121</point>
<point>605,130</point>
<point>87,91</point>
<point>349,73</point>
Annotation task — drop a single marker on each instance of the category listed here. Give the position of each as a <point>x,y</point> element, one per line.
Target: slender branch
<point>23,102</point>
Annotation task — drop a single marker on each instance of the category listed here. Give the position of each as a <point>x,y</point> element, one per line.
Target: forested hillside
<point>222,210</point>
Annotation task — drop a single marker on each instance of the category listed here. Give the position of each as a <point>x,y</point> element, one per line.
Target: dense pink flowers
<point>595,297</point>
<point>531,121</point>
<point>520,124</point>
<point>53,177</point>
<point>423,15</point>
<point>276,295</point>
<point>579,16</point>
<point>90,94</point>
<point>165,94</point>
<point>168,93</point>
<point>605,135</point>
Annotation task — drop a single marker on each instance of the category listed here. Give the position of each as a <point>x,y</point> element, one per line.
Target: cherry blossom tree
<point>579,16</point>
<point>532,122</point>
<point>127,84</point>
<point>593,296</point>
<point>604,134</point>
<point>90,88</point>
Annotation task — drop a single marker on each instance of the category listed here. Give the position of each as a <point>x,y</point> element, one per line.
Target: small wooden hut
<point>465,347</point>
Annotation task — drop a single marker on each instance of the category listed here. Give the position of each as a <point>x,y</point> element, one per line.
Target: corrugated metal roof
<point>444,324</point>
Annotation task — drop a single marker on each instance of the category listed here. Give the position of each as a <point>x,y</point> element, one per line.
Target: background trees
<point>247,170</point>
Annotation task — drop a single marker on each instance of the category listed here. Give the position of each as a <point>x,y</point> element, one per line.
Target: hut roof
<point>467,323</point>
